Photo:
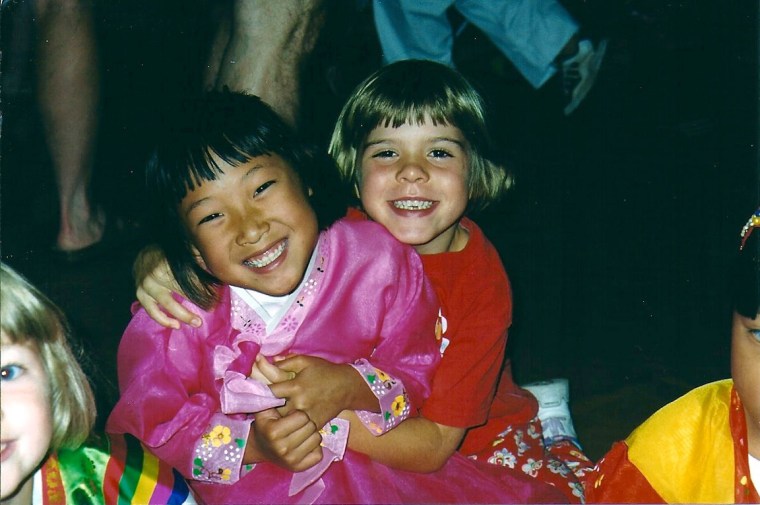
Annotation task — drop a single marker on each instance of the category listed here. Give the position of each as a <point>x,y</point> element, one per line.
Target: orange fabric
<point>745,491</point>
<point>619,481</point>
<point>689,450</point>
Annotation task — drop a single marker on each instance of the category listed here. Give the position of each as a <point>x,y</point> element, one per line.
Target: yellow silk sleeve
<point>685,449</point>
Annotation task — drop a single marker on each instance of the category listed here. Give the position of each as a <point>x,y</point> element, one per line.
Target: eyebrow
<point>194,205</point>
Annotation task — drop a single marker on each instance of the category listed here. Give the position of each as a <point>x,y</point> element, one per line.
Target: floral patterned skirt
<point>522,447</point>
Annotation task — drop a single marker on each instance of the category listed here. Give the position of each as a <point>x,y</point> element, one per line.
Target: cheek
<point>745,370</point>
<point>370,191</point>
<point>43,411</point>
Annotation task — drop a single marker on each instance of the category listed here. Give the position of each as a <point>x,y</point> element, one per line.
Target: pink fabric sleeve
<point>391,395</point>
<point>170,400</point>
<point>218,454</point>
<point>407,350</point>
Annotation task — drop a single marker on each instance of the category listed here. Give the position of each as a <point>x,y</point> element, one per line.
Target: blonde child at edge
<point>48,411</point>
<point>413,141</point>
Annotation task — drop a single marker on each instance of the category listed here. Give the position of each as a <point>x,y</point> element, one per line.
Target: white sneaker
<point>554,411</point>
<point>579,72</point>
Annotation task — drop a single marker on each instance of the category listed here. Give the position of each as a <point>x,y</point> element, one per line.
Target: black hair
<point>745,285</point>
<point>235,127</point>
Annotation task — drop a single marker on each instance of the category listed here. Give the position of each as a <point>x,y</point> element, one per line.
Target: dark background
<point>617,236</point>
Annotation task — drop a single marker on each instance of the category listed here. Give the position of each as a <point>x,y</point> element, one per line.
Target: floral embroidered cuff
<point>219,452</point>
<point>390,392</point>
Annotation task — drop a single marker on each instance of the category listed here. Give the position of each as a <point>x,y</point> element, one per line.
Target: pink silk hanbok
<point>364,301</point>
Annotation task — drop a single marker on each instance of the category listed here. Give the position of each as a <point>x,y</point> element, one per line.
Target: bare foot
<point>79,233</point>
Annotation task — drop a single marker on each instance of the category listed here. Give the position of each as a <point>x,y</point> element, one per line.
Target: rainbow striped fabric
<point>116,470</point>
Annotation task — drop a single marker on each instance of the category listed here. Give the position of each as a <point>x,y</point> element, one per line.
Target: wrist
<point>360,395</point>
<point>252,453</point>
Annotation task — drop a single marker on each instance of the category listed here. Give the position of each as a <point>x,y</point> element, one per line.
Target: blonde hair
<point>28,317</point>
<point>412,92</point>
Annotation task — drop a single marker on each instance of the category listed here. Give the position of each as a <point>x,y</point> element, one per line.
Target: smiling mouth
<point>412,204</point>
<point>5,450</point>
<point>267,258</point>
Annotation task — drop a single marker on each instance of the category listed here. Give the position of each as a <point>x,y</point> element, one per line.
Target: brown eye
<point>210,217</point>
<point>262,188</point>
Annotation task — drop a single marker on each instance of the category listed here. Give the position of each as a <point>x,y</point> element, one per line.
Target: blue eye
<point>440,153</point>
<point>756,334</point>
<point>10,372</point>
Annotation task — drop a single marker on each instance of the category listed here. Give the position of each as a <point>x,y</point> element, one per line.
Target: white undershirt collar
<point>270,308</point>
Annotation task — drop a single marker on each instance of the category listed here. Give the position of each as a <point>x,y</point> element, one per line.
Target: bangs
<point>414,102</point>
<point>198,160</point>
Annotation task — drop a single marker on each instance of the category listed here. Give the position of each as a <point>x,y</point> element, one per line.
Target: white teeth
<point>268,258</point>
<point>413,204</point>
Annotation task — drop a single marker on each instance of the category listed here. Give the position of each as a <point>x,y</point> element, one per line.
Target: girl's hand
<point>320,388</point>
<point>155,286</point>
<point>267,373</point>
<point>291,442</point>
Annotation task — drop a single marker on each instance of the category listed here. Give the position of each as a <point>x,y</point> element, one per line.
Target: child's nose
<point>413,171</point>
<point>251,230</point>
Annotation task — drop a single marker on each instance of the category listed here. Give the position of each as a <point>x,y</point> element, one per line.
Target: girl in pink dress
<point>243,241</point>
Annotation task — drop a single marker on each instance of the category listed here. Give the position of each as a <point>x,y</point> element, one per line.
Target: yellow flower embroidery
<point>225,473</point>
<point>382,375</point>
<point>220,435</point>
<point>398,405</point>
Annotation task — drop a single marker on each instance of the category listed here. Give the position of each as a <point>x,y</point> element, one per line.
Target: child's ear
<point>198,258</point>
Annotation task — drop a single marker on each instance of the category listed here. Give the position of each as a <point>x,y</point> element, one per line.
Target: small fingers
<point>304,445</point>
<point>177,310</point>
<point>155,313</point>
<point>272,373</point>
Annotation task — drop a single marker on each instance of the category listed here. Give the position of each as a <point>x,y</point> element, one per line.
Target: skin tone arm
<point>397,448</point>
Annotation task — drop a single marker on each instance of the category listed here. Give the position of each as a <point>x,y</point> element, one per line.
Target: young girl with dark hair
<point>351,297</point>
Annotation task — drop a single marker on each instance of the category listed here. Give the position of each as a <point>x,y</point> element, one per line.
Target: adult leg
<point>414,29</point>
<point>68,93</point>
<point>531,33</point>
<point>267,43</point>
